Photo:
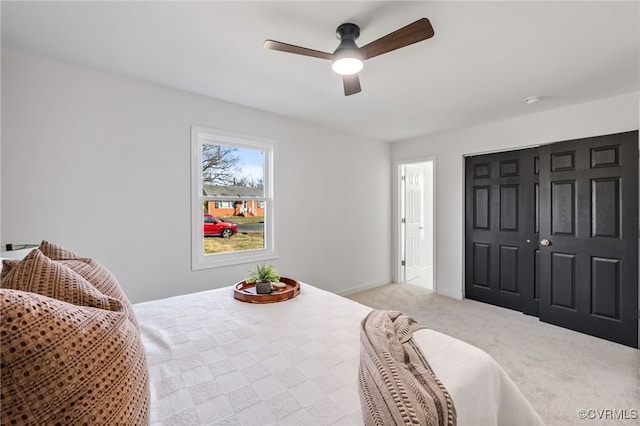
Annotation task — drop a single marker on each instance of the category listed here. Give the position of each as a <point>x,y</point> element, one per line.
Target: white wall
<point>606,116</point>
<point>100,164</point>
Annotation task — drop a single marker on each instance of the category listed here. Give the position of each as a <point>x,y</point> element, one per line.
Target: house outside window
<point>232,187</point>
<point>223,204</point>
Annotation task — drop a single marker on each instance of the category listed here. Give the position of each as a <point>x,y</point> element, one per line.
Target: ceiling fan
<point>348,58</point>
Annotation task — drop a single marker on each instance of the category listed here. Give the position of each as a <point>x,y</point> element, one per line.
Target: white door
<point>413,221</point>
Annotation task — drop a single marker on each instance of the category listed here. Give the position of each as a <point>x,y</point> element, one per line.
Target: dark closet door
<point>589,236</point>
<point>501,235</point>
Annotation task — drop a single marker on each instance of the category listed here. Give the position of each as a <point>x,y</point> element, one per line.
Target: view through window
<point>234,197</point>
<point>233,192</point>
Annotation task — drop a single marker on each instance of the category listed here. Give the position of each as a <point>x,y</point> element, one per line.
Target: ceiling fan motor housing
<point>347,34</point>
<point>348,30</point>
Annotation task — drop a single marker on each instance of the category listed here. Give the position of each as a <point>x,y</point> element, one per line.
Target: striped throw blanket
<point>397,386</point>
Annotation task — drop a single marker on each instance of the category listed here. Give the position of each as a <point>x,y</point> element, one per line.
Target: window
<point>224,204</point>
<point>231,199</point>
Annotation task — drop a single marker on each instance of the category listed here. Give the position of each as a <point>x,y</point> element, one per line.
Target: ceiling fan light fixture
<point>347,65</point>
<point>348,59</point>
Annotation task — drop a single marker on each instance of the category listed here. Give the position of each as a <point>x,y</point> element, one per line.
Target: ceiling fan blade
<point>412,33</point>
<point>351,84</point>
<point>290,48</point>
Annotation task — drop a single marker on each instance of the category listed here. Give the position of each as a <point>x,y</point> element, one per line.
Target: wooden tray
<point>246,292</point>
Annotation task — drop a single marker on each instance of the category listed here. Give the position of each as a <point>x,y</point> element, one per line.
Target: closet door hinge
<point>402,263</point>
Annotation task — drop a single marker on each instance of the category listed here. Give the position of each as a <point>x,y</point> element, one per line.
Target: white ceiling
<point>484,60</point>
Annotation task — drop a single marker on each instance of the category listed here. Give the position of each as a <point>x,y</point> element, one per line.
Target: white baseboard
<point>452,294</point>
<point>368,286</point>
<point>363,287</point>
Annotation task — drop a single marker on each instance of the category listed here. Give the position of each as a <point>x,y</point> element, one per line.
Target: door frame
<point>398,228</point>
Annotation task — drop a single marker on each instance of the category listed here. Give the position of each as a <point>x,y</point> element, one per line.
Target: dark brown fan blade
<point>351,84</point>
<point>290,48</point>
<point>412,33</point>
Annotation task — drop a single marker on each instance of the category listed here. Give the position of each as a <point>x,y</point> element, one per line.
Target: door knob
<point>545,243</point>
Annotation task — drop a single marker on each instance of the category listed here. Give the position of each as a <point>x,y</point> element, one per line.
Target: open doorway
<point>416,225</point>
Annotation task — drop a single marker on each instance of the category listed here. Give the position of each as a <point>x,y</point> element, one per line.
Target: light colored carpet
<point>560,371</point>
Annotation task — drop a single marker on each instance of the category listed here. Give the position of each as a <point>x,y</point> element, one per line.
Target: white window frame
<point>199,260</point>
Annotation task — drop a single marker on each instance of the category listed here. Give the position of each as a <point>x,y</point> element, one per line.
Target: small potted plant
<point>263,276</point>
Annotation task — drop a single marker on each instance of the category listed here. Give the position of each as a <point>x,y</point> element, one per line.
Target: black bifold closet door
<point>553,232</point>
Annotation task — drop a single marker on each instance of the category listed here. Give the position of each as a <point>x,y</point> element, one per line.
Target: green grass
<point>238,242</point>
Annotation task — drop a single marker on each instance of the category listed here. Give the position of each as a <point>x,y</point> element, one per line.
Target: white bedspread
<point>481,390</point>
<point>216,360</point>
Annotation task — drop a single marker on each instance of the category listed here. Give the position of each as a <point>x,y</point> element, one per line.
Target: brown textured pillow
<point>38,274</point>
<point>69,364</point>
<point>92,271</point>
<point>7,265</point>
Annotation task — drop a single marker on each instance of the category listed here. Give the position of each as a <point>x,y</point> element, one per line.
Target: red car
<point>214,226</point>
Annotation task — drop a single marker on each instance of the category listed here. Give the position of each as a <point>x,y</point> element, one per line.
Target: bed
<point>207,358</point>
<point>222,361</point>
